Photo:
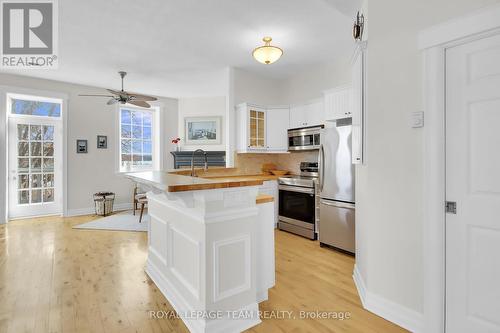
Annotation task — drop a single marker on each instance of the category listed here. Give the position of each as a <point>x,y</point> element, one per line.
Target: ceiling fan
<point>125,97</point>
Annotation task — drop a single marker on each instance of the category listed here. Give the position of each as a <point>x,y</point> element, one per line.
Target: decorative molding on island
<point>210,248</point>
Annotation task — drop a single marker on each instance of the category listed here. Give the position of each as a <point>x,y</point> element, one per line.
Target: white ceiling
<point>180,48</point>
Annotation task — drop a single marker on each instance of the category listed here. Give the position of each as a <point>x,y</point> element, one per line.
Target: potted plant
<point>176,141</point>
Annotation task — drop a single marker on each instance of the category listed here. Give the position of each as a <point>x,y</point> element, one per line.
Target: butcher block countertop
<point>243,177</point>
<point>264,198</point>
<point>172,182</point>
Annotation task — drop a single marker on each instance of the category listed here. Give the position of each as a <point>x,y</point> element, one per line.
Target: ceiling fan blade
<point>139,97</point>
<point>95,95</point>
<point>115,92</point>
<point>142,104</point>
<point>112,101</point>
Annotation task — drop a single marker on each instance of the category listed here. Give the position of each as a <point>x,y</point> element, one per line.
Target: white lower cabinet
<point>270,187</point>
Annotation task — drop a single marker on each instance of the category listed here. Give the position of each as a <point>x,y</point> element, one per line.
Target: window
<point>35,163</point>
<point>35,108</point>
<point>136,139</point>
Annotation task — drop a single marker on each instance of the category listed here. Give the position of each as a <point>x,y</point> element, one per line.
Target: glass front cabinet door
<point>257,128</point>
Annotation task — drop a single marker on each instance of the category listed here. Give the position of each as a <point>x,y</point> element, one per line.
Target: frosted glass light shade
<point>267,54</point>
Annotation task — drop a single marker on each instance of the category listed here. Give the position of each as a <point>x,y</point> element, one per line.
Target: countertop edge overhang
<point>170,182</point>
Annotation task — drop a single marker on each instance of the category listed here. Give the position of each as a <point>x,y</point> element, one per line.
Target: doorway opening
<point>34,156</point>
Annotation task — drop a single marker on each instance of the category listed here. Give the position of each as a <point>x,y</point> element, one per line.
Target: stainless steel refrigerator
<point>336,187</point>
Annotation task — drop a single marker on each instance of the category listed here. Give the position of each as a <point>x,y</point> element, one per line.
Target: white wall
<point>389,189</point>
<point>309,83</point>
<point>202,107</point>
<point>254,88</point>
<point>87,118</point>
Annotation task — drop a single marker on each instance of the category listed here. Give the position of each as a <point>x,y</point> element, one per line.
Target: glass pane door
<point>257,129</point>
<point>35,156</point>
<point>33,148</point>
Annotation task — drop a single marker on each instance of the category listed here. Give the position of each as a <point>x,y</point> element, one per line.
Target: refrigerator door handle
<point>322,168</point>
<point>338,204</point>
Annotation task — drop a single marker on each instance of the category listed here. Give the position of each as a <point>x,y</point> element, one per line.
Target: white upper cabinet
<point>278,120</point>
<point>337,103</point>
<point>315,114</point>
<point>261,129</point>
<point>298,116</point>
<point>305,115</point>
<point>251,125</point>
<point>358,104</point>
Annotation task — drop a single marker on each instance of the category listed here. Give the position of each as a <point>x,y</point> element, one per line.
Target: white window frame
<point>155,139</point>
<point>42,95</point>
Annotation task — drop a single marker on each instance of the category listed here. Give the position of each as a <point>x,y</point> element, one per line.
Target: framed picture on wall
<point>203,130</point>
<point>81,146</point>
<point>102,142</point>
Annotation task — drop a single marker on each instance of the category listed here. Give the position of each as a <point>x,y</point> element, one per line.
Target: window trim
<point>11,96</point>
<point>155,110</point>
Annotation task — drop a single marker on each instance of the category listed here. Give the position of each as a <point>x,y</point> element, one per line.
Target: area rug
<point>123,221</point>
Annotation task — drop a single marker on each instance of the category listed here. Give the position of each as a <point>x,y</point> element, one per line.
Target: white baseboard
<point>400,315</point>
<point>360,285</point>
<point>91,210</point>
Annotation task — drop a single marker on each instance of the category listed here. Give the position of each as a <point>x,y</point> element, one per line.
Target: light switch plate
<point>417,119</point>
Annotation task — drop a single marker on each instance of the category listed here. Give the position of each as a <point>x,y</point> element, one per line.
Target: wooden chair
<point>136,196</point>
<point>139,199</point>
<point>142,201</point>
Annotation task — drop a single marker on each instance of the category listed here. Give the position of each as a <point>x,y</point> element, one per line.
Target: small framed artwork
<point>81,146</point>
<point>203,130</point>
<point>102,142</point>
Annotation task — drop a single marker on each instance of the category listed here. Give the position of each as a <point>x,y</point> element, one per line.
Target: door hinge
<point>451,207</point>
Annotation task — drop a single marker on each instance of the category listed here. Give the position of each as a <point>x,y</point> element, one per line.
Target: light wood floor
<point>57,279</point>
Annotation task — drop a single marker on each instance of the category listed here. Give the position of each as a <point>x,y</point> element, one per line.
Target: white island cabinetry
<point>270,187</point>
<point>210,248</point>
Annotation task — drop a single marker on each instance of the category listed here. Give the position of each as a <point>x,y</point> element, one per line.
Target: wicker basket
<point>104,203</point>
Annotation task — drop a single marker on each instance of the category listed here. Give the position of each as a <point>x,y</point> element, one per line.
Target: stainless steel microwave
<point>307,138</point>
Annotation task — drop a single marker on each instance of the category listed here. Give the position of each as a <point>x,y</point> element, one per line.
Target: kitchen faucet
<point>193,174</point>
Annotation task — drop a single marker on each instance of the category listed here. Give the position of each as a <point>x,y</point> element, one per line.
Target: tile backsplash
<point>252,163</point>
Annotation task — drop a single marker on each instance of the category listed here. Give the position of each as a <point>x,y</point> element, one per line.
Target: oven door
<point>297,205</point>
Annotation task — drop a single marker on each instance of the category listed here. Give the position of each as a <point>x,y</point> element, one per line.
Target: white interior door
<point>35,166</point>
<point>473,182</point>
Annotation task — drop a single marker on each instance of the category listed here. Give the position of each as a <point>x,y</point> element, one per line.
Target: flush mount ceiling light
<point>267,54</point>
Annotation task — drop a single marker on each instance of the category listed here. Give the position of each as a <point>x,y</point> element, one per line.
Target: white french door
<point>473,183</point>
<point>35,166</point>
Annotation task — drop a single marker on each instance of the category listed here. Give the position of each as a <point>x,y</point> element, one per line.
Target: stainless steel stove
<point>298,204</point>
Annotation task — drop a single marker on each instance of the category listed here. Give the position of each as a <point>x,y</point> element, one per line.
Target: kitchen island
<point>210,247</point>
